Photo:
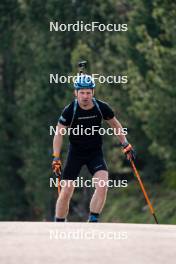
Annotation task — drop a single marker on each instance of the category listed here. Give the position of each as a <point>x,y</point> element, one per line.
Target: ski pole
<point>58,186</point>
<point>143,190</point>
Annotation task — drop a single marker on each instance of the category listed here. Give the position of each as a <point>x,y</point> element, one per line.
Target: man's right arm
<point>58,139</point>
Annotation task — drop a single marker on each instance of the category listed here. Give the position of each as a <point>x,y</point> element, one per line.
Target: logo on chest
<point>87,117</point>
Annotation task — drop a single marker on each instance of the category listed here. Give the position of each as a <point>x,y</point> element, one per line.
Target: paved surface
<point>50,243</point>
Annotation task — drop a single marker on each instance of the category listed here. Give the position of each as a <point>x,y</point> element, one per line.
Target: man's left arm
<point>127,148</point>
<point>115,124</point>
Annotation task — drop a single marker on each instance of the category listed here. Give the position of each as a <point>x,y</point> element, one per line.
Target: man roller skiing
<point>85,111</point>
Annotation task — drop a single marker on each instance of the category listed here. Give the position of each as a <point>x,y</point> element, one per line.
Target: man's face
<point>84,96</point>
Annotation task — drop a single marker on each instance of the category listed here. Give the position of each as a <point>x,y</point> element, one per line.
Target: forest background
<point>29,104</point>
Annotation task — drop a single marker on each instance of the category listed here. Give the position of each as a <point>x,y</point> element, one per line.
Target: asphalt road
<point>50,243</point>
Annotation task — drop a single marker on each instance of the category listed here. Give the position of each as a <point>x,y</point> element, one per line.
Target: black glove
<point>56,166</point>
<point>129,151</point>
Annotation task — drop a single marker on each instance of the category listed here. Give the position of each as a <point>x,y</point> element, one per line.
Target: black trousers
<point>92,158</point>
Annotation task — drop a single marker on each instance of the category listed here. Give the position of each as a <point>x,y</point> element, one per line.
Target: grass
<point>128,205</point>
